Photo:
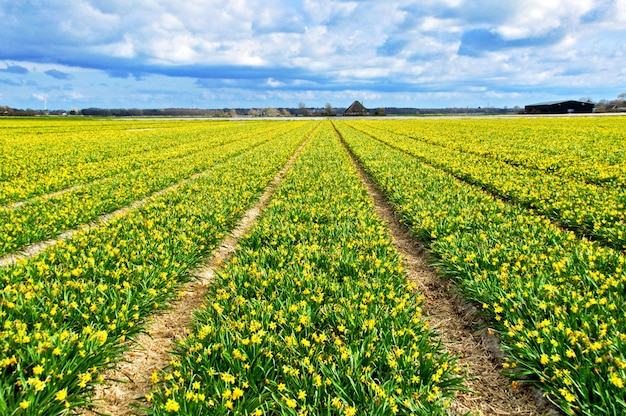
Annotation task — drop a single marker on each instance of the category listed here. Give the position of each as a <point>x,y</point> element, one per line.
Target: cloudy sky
<point>242,53</point>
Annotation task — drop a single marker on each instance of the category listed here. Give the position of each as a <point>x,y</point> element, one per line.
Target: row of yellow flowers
<point>44,218</point>
<point>39,157</point>
<point>556,301</point>
<point>597,211</point>
<point>583,148</point>
<point>313,315</point>
<point>65,314</point>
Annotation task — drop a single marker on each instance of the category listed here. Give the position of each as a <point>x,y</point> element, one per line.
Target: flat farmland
<point>105,223</point>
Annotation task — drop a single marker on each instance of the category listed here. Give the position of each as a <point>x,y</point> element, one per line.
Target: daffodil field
<point>44,217</point>
<point>67,311</point>
<point>586,195</point>
<point>46,157</point>
<point>313,313</point>
<point>556,298</point>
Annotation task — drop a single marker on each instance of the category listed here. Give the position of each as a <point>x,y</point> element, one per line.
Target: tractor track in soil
<point>123,393</point>
<point>489,392</point>
<point>454,320</point>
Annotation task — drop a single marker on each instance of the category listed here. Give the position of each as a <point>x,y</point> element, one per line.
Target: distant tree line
<point>161,112</point>
<point>616,105</point>
<point>8,111</point>
<point>170,112</point>
<point>301,111</point>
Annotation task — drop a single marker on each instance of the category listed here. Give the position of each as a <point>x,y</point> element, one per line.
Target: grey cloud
<point>15,69</point>
<point>10,82</point>
<point>477,42</point>
<point>601,10</point>
<point>58,74</point>
<point>392,47</point>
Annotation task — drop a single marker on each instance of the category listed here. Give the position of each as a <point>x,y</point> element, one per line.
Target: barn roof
<point>356,109</point>
<point>558,102</point>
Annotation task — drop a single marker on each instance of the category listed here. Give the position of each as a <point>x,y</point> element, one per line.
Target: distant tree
<point>285,112</point>
<point>380,111</point>
<point>328,108</point>
<point>616,104</point>
<point>96,112</point>
<point>253,112</point>
<point>601,106</point>
<point>303,110</point>
<point>232,112</point>
<point>270,112</point>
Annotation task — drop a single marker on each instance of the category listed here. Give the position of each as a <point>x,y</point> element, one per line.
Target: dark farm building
<point>356,109</point>
<point>560,107</point>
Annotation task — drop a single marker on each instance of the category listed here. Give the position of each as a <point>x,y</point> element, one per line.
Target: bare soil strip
<point>151,351</point>
<point>15,205</point>
<point>18,204</point>
<point>38,247</point>
<point>489,392</point>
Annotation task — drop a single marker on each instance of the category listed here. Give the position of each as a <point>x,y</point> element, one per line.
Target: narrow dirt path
<point>151,351</point>
<point>490,392</point>
<point>15,205</point>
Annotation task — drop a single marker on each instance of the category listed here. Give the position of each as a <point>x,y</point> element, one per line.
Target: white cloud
<point>80,20</point>
<point>271,82</point>
<point>435,24</point>
<point>533,18</point>
<point>322,11</point>
<point>364,73</point>
<point>122,49</point>
<point>620,13</point>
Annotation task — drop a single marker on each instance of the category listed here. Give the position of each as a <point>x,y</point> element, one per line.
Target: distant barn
<point>560,107</point>
<point>356,109</point>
